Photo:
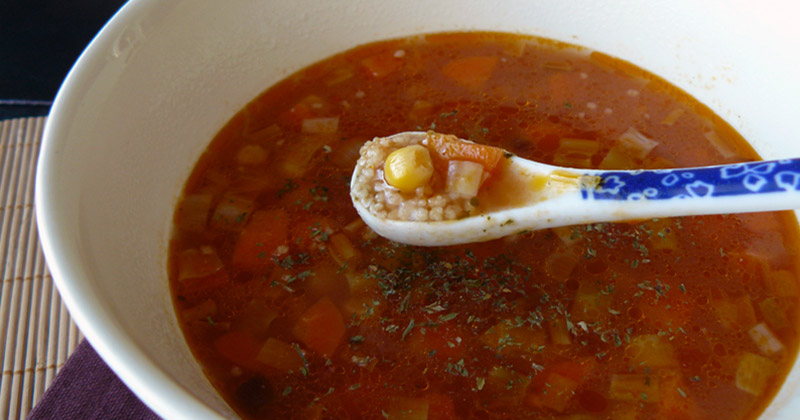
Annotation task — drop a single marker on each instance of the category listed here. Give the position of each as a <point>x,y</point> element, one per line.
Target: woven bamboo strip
<point>38,332</point>
<point>30,243</point>
<point>11,288</point>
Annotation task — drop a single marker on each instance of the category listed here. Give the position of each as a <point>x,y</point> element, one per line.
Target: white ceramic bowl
<point>162,77</point>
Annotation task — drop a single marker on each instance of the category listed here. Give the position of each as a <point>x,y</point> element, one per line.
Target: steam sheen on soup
<point>295,309</point>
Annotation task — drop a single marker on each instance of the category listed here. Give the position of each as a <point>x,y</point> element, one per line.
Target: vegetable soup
<point>295,309</point>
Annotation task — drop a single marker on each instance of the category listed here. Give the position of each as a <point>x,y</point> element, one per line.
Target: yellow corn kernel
<point>408,168</point>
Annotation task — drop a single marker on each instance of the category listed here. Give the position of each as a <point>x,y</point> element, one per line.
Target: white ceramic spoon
<point>560,196</point>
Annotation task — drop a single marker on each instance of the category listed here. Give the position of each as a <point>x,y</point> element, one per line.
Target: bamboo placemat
<point>37,332</point>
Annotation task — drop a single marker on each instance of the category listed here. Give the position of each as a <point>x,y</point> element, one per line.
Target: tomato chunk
<point>448,147</point>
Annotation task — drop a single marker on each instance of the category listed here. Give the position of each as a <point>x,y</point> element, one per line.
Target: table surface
<point>39,42</point>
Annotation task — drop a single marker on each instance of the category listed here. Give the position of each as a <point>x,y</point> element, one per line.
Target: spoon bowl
<point>526,195</point>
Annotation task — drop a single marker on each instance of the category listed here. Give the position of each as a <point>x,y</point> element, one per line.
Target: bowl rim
<point>161,392</point>
<point>122,355</point>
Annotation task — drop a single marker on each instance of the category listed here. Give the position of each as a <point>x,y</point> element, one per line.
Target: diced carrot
<point>440,407</point>
<point>280,355</point>
<point>470,72</point>
<point>449,147</point>
<point>237,346</point>
<point>261,240</point>
<point>321,327</point>
<point>381,65</point>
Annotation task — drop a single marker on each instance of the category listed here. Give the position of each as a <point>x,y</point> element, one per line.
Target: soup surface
<point>296,309</point>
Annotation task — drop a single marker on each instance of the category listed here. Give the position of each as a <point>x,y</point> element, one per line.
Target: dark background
<point>39,42</point>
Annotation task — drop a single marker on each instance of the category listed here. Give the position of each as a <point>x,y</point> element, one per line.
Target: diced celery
<point>407,409</point>
<point>280,355</point>
<point>464,178</point>
<point>720,145</point>
<point>559,265</point>
<point>557,392</point>
<point>201,311</point>
<point>735,313</point>
<point>651,350</point>
<point>765,339</point>
<point>343,251</point>
<point>754,372</point>
<point>507,338</point>
<point>293,159</point>
<point>507,385</point>
<point>567,235</point>
<point>781,283</point>
<point>576,153</point>
<point>774,313</point>
<point>590,303</point>
<point>357,281</point>
<point>634,387</point>
<point>339,75</point>
<point>559,334</point>
<point>256,317</point>
<point>617,158</point>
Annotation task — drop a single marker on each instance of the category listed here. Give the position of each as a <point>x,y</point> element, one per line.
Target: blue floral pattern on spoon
<point>752,178</point>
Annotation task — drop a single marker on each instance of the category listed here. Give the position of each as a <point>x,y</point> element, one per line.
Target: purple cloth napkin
<point>85,388</point>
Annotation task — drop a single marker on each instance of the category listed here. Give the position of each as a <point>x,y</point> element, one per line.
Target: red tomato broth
<point>635,320</point>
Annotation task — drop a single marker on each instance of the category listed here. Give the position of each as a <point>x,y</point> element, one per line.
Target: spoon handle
<point>735,188</point>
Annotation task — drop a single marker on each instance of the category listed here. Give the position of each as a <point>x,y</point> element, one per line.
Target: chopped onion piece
<point>672,116</point>
<point>231,213</point>
<point>765,339</point>
<point>251,154</point>
<point>193,212</point>
<point>321,125</point>
<point>719,144</point>
<point>636,142</point>
<point>198,263</point>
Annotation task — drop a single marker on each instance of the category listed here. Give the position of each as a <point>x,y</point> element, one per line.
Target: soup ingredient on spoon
<point>408,168</point>
<point>423,178</point>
